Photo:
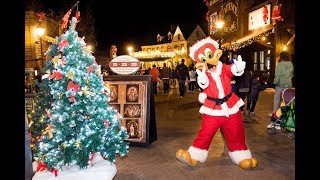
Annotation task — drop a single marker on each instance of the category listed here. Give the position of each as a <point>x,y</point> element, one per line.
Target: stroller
<point>284,118</point>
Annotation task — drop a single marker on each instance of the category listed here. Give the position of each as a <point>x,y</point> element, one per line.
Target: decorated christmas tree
<point>72,120</point>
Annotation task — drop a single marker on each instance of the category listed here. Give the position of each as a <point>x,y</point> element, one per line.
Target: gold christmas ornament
<point>77,143</point>
<point>70,75</point>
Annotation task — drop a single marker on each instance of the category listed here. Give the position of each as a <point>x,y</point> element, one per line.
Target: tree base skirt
<point>101,170</point>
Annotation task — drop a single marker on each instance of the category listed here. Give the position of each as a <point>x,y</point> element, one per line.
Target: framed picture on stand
<point>133,97</point>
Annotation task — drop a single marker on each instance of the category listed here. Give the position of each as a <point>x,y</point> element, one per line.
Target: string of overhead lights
<point>234,45</point>
<point>158,53</point>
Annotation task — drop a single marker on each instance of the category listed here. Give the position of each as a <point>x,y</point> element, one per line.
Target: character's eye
<point>208,53</point>
<point>202,58</point>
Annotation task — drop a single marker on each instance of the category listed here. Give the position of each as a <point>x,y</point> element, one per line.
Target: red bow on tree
<point>89,69</point>
<point>41,166</point>
<point>106,123</point>
<point>48,113</point>
<point>55,171</point>
<point>74,87</point>
<point>56,75</point>
<point>63,43</point>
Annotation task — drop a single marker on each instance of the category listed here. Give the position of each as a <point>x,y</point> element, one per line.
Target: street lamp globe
<point>40,30</point>
<point>219,24</point>
<point>130,49</point>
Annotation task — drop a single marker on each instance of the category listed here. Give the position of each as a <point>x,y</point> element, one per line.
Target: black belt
<point>220,101</point>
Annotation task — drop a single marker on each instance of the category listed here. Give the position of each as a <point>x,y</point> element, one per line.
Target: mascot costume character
<point>220,109</point>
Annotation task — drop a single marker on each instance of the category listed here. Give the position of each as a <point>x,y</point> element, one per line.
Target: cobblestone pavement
<point>178,121</point>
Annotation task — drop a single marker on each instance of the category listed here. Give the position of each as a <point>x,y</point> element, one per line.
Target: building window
<point>262,65</point>
<point>179,37</point>
<point>255,61</point>
<point>182,45</point>
<point>259,62</point>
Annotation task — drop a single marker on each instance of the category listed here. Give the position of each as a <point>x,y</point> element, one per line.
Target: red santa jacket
<point>219,87</point>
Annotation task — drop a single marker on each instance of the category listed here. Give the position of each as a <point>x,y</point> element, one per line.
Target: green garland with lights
<point>248,42</point>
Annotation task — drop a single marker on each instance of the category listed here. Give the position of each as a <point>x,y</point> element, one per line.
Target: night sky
<point>137,23</point>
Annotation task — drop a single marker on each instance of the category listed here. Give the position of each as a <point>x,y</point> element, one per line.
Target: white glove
<point>203,80</point>
<point>240,65</point>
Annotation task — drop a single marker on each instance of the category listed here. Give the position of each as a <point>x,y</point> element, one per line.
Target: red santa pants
<point>232,127</point>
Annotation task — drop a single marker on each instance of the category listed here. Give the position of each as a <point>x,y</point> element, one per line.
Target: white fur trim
<point>217,79</point>
<point>234,70</point>
<point>238,156</point>
<point>200,43</point>
<point>202,96</point>
<point>198,154</point>
<point>222,112</point>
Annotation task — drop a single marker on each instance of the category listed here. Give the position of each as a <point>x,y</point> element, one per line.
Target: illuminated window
<point>259,63</point>
<point>262,66</point>
<point>255,61</point>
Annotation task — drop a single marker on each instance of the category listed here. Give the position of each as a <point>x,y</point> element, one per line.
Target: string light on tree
<point>69,123</point>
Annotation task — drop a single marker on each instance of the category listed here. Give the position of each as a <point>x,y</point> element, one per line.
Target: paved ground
<point>178,121</point>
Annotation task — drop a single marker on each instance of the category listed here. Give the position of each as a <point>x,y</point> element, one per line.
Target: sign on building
<point>260,17</point>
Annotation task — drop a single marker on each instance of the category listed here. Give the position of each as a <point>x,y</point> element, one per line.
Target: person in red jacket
<point>155,78</point>
<point>220,109</point>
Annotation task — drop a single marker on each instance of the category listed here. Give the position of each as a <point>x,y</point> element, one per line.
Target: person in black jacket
<point>183,76</point>
<point>256,87</point>
<point>242,86</point>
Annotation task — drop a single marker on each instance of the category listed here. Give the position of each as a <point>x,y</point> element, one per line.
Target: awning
<point>248,39</point>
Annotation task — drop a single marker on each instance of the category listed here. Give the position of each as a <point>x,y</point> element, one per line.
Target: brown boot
<point>184,157</point>
<point>248,163</point>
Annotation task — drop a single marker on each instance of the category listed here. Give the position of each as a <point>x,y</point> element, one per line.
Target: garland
<point>234,46</point>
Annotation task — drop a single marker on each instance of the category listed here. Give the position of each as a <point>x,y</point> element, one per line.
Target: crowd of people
<point>247,86</point>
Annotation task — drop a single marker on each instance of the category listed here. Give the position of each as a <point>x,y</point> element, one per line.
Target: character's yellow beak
<point>215,58</point>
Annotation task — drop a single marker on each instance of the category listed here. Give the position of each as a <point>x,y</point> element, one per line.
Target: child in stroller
<point>284,117</point>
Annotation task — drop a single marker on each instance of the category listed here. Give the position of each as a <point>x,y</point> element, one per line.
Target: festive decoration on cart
<point>72,119</point>
<point>276,14</point>
<point>220,109</point>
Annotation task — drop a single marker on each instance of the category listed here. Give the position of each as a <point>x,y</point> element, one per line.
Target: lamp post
<point>219,25</point>
<point>40,32</point>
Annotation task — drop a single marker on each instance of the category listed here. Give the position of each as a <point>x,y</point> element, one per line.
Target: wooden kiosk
<point>132,96</point>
